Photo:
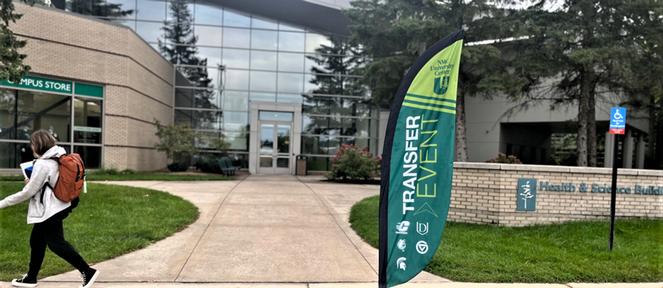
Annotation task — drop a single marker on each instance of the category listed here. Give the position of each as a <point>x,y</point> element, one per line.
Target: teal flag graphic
<point>417,163</point>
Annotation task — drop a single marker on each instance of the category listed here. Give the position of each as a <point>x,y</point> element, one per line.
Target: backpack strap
<point>43,190</point>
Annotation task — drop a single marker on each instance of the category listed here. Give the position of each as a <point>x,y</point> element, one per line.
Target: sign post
<point>617,127</point>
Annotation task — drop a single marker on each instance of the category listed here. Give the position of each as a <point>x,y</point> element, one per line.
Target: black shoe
<point>25,282</point>
<point>88,277</point>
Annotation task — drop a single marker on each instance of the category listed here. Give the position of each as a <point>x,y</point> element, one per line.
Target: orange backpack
<point>71,179</point>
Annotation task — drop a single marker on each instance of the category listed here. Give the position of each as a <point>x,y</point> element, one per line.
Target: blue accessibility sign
<point>617,120</point>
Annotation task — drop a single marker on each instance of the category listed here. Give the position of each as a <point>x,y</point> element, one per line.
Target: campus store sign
<point>50,85</point>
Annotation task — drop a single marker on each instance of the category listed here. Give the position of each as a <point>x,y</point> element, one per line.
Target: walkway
<point>260,232</point>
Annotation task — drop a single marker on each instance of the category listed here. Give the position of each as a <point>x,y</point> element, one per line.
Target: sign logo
<point>526,197</point>
<point>400,263</point>
<point>439,90</point>
<point>422,247</point>
<point>402,227</point>
<point>422,228</point>
<point>617,120</point>
<point>425,208</point>
<point>401,245</point>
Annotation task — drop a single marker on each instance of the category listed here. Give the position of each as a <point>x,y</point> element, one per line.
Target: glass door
<point>275,148</point>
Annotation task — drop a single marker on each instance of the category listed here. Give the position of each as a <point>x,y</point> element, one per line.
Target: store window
<point>71,112</point>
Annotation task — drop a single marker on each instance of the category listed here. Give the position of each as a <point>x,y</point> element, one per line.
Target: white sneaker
<point>24,282</point>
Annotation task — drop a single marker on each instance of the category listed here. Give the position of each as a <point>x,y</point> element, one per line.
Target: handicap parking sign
<point>617,120</point>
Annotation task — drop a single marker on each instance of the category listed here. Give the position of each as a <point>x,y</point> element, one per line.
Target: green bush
<point>178,167</point>
<point>209,165</point>
<point>502,158</point>
<point>352,163</point>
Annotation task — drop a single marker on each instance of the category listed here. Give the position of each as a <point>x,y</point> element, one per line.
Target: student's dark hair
<point>41,141</point>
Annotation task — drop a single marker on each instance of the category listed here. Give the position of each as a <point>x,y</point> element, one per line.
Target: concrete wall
<point>138,81</point>
<point>487,193</point>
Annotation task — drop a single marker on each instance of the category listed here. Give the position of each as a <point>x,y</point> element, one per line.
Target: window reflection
<point>101,8</point>
<point>236,121</point>
<point>286,27</point>
<point>235,100</point>
<point>179,6</point>
<point>208,14</point>
<point>150,31</point>
<point>127,8</point>
<point>151,10</point>
<point>261,96</point>
<point>236,37</point>
<point>129,23</point>
<point>235,19</point>
<point>237,80</point>
<point>213,55</point>
<point>208,35</point>
<point>263,81</point>
<point>290,82</point>
<point>316,41</point>
<point>291,41</point>
<point>234,58</point>
<point>289,98</point>
<point>263,23</point>
<point>32,112</point>
<point>291,62</point>
<point>197,98</point>
<point>197,119</point>
<point>265,40</point>
<point>262,60</point>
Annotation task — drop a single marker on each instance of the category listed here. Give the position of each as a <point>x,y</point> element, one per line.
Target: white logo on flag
<point>422,228</point>
<point>422,247</point>
<point>400,263</point>
<point>401,245</point>
<point>402,227</point>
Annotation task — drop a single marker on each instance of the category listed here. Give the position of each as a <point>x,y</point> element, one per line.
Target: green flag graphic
<point>416,192</point>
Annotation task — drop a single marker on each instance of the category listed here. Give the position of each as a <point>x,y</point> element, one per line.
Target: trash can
<point>301,165</point>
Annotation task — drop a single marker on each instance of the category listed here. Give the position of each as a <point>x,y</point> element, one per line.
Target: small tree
<point>177,141</point>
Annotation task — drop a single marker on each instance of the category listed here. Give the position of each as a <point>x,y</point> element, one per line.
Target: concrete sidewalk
<point>262,232</point>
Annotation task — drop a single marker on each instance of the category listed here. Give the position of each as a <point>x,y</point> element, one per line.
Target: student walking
<point>46,212</point>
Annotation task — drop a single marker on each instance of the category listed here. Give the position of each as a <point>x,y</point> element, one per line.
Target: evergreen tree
<point>97,8</point>
<point>331,78</point>
<point>395,32</point>
<point>11,61</point>
<point>179,31</point>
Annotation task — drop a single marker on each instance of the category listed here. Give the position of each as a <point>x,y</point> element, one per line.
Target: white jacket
<point>44,170</point>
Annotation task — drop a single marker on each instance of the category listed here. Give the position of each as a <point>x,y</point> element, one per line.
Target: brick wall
<point>138,81</point>
<point>487,193</point>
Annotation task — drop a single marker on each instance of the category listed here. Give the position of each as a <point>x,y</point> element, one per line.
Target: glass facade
<point>226,58</point>
<point>24,111</point>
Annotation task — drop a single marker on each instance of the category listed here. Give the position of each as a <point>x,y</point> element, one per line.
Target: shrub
<point>178,167</point>
<point>502,158</point>
<point>208,165</point>
<point>352,163</point>
<point>113,171</point>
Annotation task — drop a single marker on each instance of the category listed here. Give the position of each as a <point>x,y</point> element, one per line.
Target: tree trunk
<point>460,149</point>
<point>591,130</point>
<point>583,113</point>
<point>652,127</point>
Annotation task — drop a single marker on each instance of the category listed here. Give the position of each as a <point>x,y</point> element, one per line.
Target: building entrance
<point>275,147</point>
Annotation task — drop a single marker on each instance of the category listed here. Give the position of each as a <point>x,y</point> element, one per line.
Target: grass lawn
<point>109,221</point>
<point>558,253</point>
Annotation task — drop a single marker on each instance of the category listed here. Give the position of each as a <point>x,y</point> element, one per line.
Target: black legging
<point>50,233</point>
